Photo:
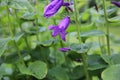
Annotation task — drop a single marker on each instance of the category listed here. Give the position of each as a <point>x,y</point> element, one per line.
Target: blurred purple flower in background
<point>64,49</point>
<point>116,3</point>
<point>53,7</point>
<point>60,29</point>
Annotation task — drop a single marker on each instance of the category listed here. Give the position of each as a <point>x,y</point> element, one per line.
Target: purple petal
<point>52,8</point>
<point>64,23</point>
<point>116,3</point>
<point>55,32</point>
<point>64,49</point>
<point>66,4</point>
<point>63,35</point>
<point>51,27</point>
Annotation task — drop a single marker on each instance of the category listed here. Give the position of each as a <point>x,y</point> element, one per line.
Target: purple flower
<point>60,29</point>
<point>64,49</point>
<point>53,7</point>
<point>116,3</point>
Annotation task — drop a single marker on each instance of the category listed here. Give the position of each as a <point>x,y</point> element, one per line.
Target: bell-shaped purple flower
<point>64,49</point>
<point>53,7</point>
<point>60,29</point>
<point>116,3</point>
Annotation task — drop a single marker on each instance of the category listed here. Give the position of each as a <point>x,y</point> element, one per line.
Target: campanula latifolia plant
<point>59,40</point>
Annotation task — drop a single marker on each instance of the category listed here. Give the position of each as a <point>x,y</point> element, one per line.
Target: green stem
<point>12,35</point>
<point>85,66</point>
<point>77,21</point>
<point>37,34</point>
<point>25,38</point>
<point>80,41</point>
<point>107,28</point>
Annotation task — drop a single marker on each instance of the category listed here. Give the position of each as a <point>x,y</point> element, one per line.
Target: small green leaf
<point>111,73</point>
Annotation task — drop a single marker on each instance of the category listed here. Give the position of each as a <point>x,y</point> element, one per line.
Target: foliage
<point>28,51</point>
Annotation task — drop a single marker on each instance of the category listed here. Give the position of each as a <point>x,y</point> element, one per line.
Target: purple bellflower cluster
<point>116,3</point>
<point>60,29</point>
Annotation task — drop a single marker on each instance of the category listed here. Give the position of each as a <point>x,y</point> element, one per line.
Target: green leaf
<point>77,73</point>
<point>37,69</point>
<point>115,58</point>
<point>58,73</point>
<point>20,4</point>
<point>40,53</point>
<point>92,33</point>
<point>80,48</point>
<point>111,73</point>
<point>3,44</point>
<point>6,69</point>
<point>18,36</point>
<point>95,62</point>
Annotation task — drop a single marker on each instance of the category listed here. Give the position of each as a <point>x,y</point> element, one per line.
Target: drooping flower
<point>64,49</point>
<point>116,3</point>
<point>53,7</point>
<point>60,29</point>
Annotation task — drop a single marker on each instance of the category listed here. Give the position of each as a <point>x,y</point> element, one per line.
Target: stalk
<point>12,35</point>
<point>107,28</point>
<point>26,41</point>
<point>84,55</point>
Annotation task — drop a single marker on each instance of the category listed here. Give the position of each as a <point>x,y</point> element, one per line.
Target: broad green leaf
<point>112,59</point>
<point>3,44</point>
<point>37,69</point>
<point>95,62</point>
<point>77,73</point>
<point>111,73</point>
<point>115,58</point>
<point>106,58</point>
<point>80,48</point>
<point>58,73</point>
<point>40,53</point>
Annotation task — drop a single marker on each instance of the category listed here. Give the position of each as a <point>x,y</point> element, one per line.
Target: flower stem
<point>76,20</point>
<point>107,28</point>
<point>85,66</point>
<point>12,35</point>
<point>25,38</point>
<point>84,56</point>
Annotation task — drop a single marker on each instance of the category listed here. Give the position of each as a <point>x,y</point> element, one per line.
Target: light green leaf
<point>111,73</point>
<point>37,69</point>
